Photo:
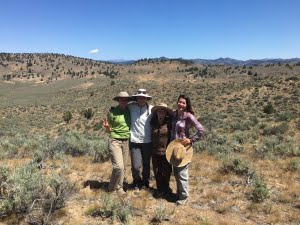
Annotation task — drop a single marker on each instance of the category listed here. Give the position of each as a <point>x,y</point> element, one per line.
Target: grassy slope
<point>227,105</point>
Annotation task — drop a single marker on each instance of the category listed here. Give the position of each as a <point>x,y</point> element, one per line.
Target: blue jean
<point>140,157</point>
<point>182,181</point>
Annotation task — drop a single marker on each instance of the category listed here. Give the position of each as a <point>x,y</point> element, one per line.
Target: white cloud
<point>94,51</point>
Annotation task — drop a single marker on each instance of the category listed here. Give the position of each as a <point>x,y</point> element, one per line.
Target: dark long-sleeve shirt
<point>161,135</point>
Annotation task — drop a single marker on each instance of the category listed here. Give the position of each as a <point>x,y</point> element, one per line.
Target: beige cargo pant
<point>118,150</point>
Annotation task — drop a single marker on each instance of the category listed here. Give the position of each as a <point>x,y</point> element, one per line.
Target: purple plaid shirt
<point>182,125</point>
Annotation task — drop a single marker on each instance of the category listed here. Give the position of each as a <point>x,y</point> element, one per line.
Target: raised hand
<point>106,125</point>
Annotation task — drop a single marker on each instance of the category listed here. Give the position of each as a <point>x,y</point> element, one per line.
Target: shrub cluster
<point>41,148</point>
<point>88,113</point>
<point>259,191</point>
<point>274,145</point>
<point>37,199</point>
<point>236,165</point>
<point>217,144</point>
<point>114,208</point>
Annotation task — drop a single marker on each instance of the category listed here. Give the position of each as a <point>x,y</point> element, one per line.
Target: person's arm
<point>130,105</point>
<point>200,129</point>
<point>199,133</point>
<point>106,125</point>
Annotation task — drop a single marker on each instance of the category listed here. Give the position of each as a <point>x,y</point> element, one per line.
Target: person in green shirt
<point>118,125</point>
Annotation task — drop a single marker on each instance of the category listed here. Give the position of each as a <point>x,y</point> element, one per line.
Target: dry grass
<point>216,198</point>
<point>218,202</point>
<point>12,163</point>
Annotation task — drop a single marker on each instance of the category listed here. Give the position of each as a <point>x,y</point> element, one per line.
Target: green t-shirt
<point>119,121</point>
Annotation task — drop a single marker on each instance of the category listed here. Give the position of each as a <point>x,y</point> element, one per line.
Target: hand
<point>105,124</point>
<point>186,141</point>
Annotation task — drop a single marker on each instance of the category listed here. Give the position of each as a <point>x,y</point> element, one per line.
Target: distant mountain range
<point>122,61</point>
<point>250,62</point>
<point>220,61</point>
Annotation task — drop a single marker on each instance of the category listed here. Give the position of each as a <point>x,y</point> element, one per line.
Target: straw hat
<point>142,93</point>
<point>179,155</point>
<point>122,94</point>
<point>162,106</point>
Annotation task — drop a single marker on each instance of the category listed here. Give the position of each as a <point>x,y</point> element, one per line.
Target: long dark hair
<point>189,107</point>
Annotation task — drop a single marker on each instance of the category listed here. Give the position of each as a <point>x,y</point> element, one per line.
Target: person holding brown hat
<point>117,124</point>
<point>161,134</point>
<point>140,139</point>
<point>179,152</point>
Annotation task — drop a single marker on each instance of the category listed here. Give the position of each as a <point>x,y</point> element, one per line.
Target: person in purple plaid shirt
<point>183,120</point>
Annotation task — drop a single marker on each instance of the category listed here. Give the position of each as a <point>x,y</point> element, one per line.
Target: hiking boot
<point>125,186</point>
<point>145,185</point>
<point>136,186</point>
<point>182,202</point>
<point>121,192</point>
<point>158,194</point>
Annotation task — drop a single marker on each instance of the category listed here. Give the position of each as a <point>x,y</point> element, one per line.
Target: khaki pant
<point>118,150</point>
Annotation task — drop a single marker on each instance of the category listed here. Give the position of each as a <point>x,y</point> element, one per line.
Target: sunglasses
<point>141,92</point>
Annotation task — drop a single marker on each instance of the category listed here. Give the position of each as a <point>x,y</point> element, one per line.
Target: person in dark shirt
<point>161,134</point>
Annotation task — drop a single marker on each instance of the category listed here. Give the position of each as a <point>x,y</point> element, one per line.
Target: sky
<point>135,29</point>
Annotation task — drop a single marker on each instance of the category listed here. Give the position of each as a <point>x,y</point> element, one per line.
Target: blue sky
<point>134,29</point>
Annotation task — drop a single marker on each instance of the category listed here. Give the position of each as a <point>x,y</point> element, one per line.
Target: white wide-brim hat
<point>142,93</point>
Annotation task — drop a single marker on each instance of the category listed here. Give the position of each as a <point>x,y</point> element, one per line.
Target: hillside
<point>53,67</point>
<point>245,171</point>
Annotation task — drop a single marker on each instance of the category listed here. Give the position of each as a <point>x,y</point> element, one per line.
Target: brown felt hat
<point>179,155</point>
<point>162,106</point>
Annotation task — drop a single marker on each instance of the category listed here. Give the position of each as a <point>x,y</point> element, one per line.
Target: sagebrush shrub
<point>240,125</point>
<point>99,150</point>
<point>31,193</point>
<point>276,130</point>
<point>41,148</point>
<point>88,113</point>
<point>114,208</point>
<point>7,149</point>
<point>235,165</point>
<point>213,143</point>
<point>294,165</point>
<point>67,116</point>
<point>3,175</point>
<point>298,124</point>
<point>236,147</point>
<point>160,214</point>
<point>259,191</point>
<point>21,193</point>
<point>269,108</point>
<point>240,136</point>
<point>273,145</point>
<point>61,189</point>
<point>253,120</point>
